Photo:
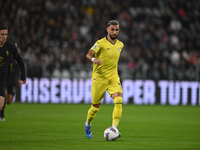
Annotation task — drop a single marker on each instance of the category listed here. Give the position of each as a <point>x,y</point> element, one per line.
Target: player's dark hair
<point>3,27</point>
<point>112,22</point>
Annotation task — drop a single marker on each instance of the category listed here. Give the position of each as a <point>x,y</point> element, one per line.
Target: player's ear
<point>107,29</point>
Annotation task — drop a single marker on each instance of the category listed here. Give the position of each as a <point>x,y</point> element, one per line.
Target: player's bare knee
<point>96,105</point>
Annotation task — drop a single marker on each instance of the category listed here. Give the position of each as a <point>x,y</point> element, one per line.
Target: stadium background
<point>161,38</point>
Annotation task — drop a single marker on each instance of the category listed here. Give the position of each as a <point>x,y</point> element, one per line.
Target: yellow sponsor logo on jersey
<point>7,52</point>
<point>1,61</point>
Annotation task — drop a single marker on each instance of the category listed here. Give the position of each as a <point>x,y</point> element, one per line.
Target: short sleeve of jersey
<point>13,49</point>
<point>122,45</point>
<point>96,47</point>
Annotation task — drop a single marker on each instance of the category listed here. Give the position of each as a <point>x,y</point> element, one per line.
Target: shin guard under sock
<point>117,111</point>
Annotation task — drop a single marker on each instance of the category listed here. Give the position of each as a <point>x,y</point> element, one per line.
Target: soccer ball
<point>111,134</point>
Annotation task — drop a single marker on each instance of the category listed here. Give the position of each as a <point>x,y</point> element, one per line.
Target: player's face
<point>113,31</point>
<point>3,36</point>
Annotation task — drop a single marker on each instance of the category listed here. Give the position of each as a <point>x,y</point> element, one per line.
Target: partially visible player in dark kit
<point>8,48</point>
<point>11,80</point>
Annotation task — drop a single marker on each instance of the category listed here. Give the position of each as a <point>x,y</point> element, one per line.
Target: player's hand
<point>20,83</point>
<point>24,81</point>
<point>97,61</point>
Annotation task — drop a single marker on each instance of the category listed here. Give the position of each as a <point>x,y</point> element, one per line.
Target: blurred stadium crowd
<point>161,37</point>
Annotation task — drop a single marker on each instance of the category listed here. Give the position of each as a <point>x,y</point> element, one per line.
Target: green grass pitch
<point>61,127</point>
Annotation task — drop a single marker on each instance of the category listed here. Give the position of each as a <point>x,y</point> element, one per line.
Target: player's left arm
<point>20,63</point>
<point>18,74</point>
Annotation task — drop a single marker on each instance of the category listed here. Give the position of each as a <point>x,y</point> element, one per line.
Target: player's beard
<point>113,38</point>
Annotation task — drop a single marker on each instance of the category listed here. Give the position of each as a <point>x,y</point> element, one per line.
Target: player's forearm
<point>90,55</point>
<point>22,70</point>
<point>20,63</point>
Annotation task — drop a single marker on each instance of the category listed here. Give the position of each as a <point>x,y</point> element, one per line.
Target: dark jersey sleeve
<point>18,58</point>
<point>14,72</point>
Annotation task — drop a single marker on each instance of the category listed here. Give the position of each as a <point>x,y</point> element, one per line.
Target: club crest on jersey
<point>7,52</point>
<point>95,46</point>
<point>119,49</point>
